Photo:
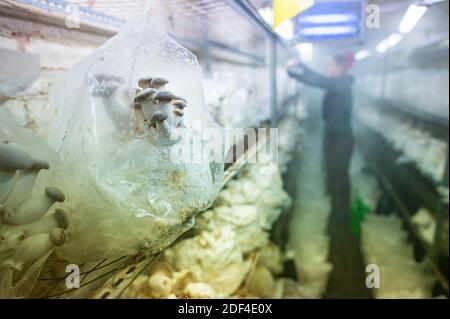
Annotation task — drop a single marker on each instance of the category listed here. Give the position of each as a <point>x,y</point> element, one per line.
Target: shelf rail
<point>430,250</point>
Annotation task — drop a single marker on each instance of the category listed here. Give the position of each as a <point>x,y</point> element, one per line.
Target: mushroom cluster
<point>159,110</point>
<point>27,232</point>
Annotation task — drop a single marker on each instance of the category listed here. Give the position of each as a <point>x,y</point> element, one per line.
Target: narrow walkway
<point>314,212</point>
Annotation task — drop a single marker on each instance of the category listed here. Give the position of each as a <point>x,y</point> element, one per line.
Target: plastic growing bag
<point>124,114</point>
<point>30,226</point>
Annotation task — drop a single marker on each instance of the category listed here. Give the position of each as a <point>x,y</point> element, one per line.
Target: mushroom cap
<point>178,112</point>
<point>38,165</point>
<point>55,193</point>
<point>164,96</point>
<point>145,82</point>
<point>159,117</point>
<point>13,157</point>
<point>144,95</point>
<point>158,82</point>
<point>179,104</point>
<point>58,236</point>
<point>181,99</point>
<point>62,218</point>
<point>6,214</point>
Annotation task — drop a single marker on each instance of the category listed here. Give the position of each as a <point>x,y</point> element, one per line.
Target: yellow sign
<point>287,9</point>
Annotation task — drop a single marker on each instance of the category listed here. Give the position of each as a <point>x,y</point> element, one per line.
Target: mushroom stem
<point>13,157</point>
<point>6,184</point>
<point>6,215</point>
<point>148,108</point>
<point>36,207</point>
<point>162,124</point>
<point>167,108</point>
<point>58,219</point>
<point>8,244</point>
<point>182,123</point>
<point>24,183</point>
<point>138,120</point>
<point>160,284</point>
<point>33,248</point>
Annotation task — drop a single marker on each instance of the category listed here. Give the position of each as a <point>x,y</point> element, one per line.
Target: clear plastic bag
<point>128,187</point>
<point>20,264</point>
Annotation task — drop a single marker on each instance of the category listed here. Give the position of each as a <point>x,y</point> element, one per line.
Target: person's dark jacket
<point>338,101</point>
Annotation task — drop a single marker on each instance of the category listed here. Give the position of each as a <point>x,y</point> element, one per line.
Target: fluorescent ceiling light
<point>336,30</point>
<point>328,18</point>
<point>411,18</point>
<point>286,30</point>
<point>267,14</point>
<point>394,39</point>
<point>363,54</point>
<point>382,47</point>
<point>389,43</point>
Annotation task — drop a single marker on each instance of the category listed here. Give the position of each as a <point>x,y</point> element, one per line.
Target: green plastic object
<point>359,211</point>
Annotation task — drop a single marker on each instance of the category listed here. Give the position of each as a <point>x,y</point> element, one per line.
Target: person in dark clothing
<point>338,137</point>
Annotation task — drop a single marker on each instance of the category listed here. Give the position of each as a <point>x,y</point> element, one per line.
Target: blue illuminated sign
<point>331,20</point>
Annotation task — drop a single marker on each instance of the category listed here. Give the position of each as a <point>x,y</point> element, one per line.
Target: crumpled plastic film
<point>18,284</point>
<point>128,186</point>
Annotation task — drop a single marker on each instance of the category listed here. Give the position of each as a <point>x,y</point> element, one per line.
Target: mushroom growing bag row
<point>137,165</point>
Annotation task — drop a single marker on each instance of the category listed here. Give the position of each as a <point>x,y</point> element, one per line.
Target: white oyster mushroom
<point>162,111</point>
<point>153,83</point>
<point>163,101</point>
<point>161,283</point>
<point>162,124</point>
<point>106,88</point>
<point>145,101</point>
<point>27,232</point>
<point>213,258</point>
<point>58,219</point>
<point>24,183</point>
<point>36,207</point>
<point>13,157</point>
<point>32,248</point>
<point>199,290</point>
<point>179,105</point>
<point>261,283</point>
<point>149,86</point>
<point>271,257</point>
<point>10,242</point>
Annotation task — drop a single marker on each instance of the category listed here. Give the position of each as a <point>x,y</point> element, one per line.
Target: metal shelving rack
<point>432,53</point>
<point>405,185</point>
<point>224,29</point>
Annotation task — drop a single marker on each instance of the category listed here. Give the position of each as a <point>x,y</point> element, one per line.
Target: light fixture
<point>328,18</point>
<point>382,46</point>
<point>394,39</point>
<point>335,30</point>
<point>389,42</point>
<point>267,14</point>
<point>286,30</point>
<point>412,18</point>
<point>363,54</point>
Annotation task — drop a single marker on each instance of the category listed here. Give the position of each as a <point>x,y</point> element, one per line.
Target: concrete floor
<point>347,280</point>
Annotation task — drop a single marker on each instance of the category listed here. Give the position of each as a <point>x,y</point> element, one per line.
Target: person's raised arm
<point>304,74</point>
